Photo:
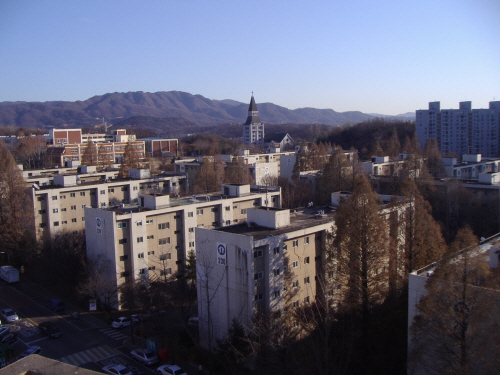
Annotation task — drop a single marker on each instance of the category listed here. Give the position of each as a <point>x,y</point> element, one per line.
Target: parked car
<point>117,370</point>
<point>9,315</point>
<point>146,356</point>
<point>123,322</point>
<point>31,350</point>
<point>49,329</point>
<point>9,338</point>
<point>170,370</point>
<point>4,330</point>
<point>193,322</point>
<point>56,305</point>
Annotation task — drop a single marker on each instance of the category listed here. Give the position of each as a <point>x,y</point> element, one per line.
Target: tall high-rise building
<point>463,130</point>
<point>253,129</point>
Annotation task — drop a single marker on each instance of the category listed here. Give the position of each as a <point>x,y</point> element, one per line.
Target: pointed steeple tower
<point>253,113</point>
<point>253,129</point>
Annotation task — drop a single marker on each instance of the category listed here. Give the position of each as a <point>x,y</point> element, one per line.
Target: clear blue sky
<point>375,56</point>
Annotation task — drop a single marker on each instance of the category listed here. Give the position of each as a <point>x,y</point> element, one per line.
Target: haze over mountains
<point>172,108</point>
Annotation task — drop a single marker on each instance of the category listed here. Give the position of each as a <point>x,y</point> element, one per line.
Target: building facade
<point>461,131</point>
<point>151,240</point>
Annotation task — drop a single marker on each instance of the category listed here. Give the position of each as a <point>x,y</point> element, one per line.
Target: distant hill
<point>161,111</point>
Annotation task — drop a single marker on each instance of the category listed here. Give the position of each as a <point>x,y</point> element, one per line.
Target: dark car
<point>56,305</point>
<point>49,329</point>
<point>9,338</point>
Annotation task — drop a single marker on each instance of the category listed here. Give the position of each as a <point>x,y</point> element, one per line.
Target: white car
<point>9,315</point>
<point>170,370</point>
<point>117,370</point>
<point>123,322</point>
<point>146,356</point>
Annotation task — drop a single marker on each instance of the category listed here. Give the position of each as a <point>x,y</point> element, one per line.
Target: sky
<point>385,56</point>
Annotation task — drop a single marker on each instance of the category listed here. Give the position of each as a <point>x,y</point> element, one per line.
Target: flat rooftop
<point>298,220</point>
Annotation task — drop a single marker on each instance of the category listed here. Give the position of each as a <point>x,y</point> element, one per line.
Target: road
<point>86,343</point>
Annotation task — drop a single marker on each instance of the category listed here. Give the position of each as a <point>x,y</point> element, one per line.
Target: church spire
<point>253,113</point>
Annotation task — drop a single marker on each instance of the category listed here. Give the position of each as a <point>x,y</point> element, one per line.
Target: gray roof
<point>252,108</point>
<point>38,365</point>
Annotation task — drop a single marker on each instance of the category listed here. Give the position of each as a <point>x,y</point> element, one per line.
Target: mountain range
<point>171,108</point>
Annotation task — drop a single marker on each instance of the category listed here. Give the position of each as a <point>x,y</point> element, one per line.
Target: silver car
<point>9,315</point>
<point>146,356</point>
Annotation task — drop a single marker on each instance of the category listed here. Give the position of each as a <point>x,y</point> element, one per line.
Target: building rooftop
<point>298,220</point>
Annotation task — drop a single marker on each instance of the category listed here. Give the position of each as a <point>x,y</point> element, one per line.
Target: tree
<point>14,202</point>
<point>361,243</point>
<point>432,157</point>
<point>393,146</point>
<point>337,175</point>
<point>455,331</point>
<point>131,159</point>
<point>424,242</point>
<point>31,150</point>
<point>237,172</point>
<point>90,156</point>
<point>210,175</point>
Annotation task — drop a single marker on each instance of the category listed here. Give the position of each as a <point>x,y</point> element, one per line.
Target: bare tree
<point>237,172</point>
<point>90,156</point>
<point>31,150</point>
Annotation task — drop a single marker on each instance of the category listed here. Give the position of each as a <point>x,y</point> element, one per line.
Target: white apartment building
<point>59,200</point>
<point>242,269</point>
<point>152,239</point>
<point>463,130</point>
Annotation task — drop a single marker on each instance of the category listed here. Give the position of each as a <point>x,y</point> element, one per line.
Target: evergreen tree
<point>337,175</point>
<point>393,145</point>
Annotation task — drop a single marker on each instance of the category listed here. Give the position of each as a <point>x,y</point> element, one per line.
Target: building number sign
<point>221,253</point>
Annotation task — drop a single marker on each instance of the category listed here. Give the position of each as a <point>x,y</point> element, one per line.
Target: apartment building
<point>463,130</point>
<point>59,200</point>
<point>152,239</point>
<point>242,269</point>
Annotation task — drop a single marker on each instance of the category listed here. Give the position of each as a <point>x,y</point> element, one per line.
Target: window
<point>166,256</point>
<point>62,197</point>
<point>122,225</point>
<point>135,188</point>
<point>191,244</point>
<point>111,190</point>
<point>177,231</point>
<point>166,272</point>
<point>122,241</point>
<point>276,293</point>
<point>73,220</point>
<point>164,241</point>
<point>306,300</point>
<point>73,207</point>
<point>140,255</point>
<point>40,199</point>
<point>138,223</point>
<point>295,243</point>
<point>295,264</point>
<point>41,212</point>
<point>258,275</point>
<point>82,194</point>
<point>215,209</point>
<point>306,240</point>
<point>84,205</point>
<point>150,237</point>
<point>228,208</point>
<point>72,195</point>
<point>199,211</point>
<point>63,209</point>
<point>295,284</point>
<point>276,272</point>
<point>243,211</point>
<point>54,197</point>
<point>140,239</point>
<point>257,253</point>
<point>152,268</point>
<point>64,222</point>
<point>124,258</point>
<point>306,260</point>
<point>142,271</point>
<point>258,297</point>
<point>102,192</point>
<point>190,214</point>
<point>214,223</point>
<point>149,221</point>
<point>151,253</point>
<point>295,303</point>
<point>200,225</point>
<point>56,223</point>
<point>306,280</point>
<point>191,229</point>
<point>276,250</point>
<point>83,218</point>
<point>163,225</point>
